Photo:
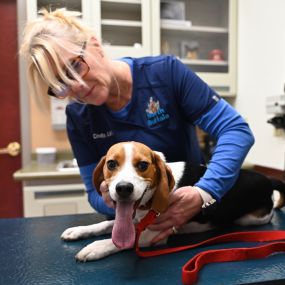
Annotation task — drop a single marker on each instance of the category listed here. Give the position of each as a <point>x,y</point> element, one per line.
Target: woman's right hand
<point>106,195</point>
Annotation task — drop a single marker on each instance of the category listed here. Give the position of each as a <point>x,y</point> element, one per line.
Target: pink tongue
<point>123,234</point>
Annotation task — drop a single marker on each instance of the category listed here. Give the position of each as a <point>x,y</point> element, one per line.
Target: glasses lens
<point>62,93</point>
<point>79,66</point>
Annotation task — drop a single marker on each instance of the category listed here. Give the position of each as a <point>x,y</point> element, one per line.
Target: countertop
<point>44,171</point>
<point>33,254</point>
<point>47,171</point>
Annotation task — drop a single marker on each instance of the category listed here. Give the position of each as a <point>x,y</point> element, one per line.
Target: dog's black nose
<point>124,189</point>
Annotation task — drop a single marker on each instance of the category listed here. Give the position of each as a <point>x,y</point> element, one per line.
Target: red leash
<point>191,269</point>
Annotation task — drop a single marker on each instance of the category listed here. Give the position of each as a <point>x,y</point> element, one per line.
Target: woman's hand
<point>184,203</point>
<point>106,195</point>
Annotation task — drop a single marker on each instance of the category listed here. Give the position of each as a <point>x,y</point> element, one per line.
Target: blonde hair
<point>44,41</point>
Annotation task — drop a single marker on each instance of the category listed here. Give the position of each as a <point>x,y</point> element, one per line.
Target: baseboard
<point>276,173</point>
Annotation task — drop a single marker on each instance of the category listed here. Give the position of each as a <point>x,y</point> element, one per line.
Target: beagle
<point>139,179</point>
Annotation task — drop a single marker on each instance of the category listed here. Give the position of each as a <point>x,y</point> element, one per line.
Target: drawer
<point>48,200</point>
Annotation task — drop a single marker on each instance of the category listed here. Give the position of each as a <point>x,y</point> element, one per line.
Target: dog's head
<point>136,176</point>
<point>135,173</point>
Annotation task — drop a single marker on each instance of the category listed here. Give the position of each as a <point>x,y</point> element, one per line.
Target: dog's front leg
<point>79,232</point>
<point>97,250</point>
<point>102,248</point>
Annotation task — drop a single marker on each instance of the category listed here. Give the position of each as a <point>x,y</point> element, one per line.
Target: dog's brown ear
<point>98,176</point>
<point>165,185</point>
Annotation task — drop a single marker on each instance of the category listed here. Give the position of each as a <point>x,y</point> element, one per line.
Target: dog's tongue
<point>123,233</point>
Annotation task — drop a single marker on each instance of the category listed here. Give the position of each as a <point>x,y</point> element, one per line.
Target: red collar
<point>147,220</point>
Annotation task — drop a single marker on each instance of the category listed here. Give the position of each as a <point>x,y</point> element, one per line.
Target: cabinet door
<point>33,6</point>
<point>123,26</point>
<point>202,33</point>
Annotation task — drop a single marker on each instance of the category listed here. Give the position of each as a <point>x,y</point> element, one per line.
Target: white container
<point>46,155</point>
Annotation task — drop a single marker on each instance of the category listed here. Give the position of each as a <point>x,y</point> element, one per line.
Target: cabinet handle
<point>13,149</point>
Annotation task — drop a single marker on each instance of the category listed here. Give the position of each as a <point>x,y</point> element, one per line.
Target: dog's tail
<point>278,187</point>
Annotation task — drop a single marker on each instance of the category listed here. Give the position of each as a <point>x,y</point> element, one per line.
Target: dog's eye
<point>112,164</point>
<point>142,165</point>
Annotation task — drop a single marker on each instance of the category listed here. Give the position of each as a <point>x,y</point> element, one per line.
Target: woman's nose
<point>79,88</point>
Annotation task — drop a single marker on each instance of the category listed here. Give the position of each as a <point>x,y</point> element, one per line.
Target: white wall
<point>261,73</point>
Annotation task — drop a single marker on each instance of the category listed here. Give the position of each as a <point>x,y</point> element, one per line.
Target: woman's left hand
<point>184,204</point>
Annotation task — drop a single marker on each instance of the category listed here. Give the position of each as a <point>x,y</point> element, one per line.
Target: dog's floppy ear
<point>98,176</point>
<point>165,185</point>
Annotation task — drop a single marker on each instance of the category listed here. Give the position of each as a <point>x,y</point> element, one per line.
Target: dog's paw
<point>80,232</point>
<point>75,233</point>
<point>96,250</point>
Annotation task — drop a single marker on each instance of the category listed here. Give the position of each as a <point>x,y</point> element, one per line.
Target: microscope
<point>276,105</point>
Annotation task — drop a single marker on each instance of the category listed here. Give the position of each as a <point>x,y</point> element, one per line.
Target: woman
<point>154,100</point>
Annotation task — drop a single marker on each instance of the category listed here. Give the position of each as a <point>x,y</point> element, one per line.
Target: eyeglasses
<point>80,66</point>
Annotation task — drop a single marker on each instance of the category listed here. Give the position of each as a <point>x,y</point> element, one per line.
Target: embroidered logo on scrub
<point>155,114</point>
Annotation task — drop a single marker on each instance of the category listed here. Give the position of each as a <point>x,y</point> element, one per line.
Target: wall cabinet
<point>203,34</point>
<point>200,32</point>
